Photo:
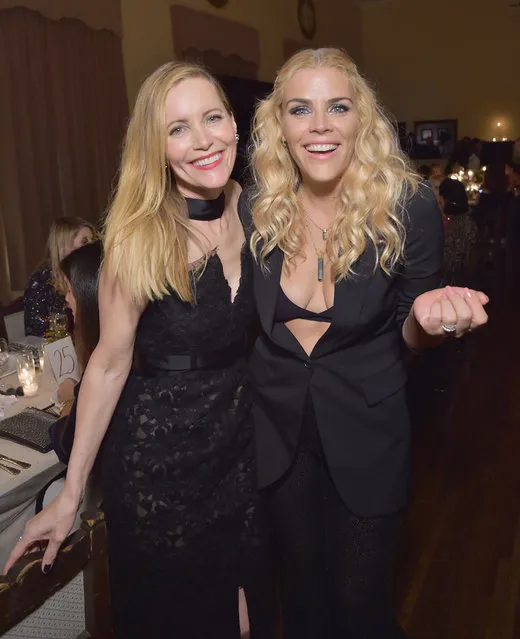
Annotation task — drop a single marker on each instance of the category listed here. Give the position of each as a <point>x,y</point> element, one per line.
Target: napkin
<point>5,402</point>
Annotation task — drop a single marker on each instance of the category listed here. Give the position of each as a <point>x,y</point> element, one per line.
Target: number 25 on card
<point>63,360</point>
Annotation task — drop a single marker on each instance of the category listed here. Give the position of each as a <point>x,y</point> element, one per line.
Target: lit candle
<point>25,375</point>
<point>30,387</point>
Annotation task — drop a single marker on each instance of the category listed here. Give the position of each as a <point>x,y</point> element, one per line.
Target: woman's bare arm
<point>101,386</point>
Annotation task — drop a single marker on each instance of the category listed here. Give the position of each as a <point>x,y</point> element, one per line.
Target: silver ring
<point>449,328</point>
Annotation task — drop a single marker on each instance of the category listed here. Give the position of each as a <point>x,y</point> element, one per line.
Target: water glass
<point>4,354</point>
<point>40,357</point>
<point>27,373</point>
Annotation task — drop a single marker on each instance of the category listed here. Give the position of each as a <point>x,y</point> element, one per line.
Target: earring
<point>284,142</point>
<point>237,137</point>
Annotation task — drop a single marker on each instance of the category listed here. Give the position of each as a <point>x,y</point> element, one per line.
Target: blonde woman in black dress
<point>167,387</point>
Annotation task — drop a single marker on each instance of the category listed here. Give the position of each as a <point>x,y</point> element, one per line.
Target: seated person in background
<point>45,294</point>
<point>460,232</point>
<point>80,269</point>
<point>424,171</point>
<point>435,179</point>
<point>475,151</point>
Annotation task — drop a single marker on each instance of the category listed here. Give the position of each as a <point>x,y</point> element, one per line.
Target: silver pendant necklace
<point>319,256</point>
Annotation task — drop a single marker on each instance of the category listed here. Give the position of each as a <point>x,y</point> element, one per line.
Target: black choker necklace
<point>206,210</point>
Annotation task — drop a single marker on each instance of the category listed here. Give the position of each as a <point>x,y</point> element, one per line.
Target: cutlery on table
<point>16,462</point>
<point>8,469</point>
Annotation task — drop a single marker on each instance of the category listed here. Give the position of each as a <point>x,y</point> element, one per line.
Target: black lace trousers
<point>336,568</point>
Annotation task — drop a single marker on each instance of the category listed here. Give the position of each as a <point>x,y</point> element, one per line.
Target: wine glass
<point>4,354</point>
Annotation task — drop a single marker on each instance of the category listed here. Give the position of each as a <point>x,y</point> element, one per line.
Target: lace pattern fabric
<point>178,466</point>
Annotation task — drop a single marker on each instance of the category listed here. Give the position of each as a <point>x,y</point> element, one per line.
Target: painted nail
<point>468,292</point>
<point>450,290</point>
<point>47,569</point>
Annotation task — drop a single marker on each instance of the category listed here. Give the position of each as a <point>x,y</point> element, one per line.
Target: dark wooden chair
<point>25,588</point>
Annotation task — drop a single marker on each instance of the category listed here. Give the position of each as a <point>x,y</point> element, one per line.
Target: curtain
<point>63,110</point>
<point>98,14</point>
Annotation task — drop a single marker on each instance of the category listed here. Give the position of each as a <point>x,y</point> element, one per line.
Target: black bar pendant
<point>320,268</point>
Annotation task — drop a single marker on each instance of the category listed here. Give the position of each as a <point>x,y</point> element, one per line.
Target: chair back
<point>25,588</point>
<point>12,327</point>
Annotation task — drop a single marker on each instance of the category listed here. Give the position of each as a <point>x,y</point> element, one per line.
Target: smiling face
<point>201,144</point>
<point>320,124</point>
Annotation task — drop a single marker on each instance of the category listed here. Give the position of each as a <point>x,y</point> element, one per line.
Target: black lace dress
<point>185,525</point>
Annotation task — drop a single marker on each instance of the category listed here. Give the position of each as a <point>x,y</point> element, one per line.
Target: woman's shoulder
<point>421,197</point>
<point>420,206</point>
<point>423,223</point>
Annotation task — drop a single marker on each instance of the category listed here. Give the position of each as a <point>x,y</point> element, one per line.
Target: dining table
<point>19,492</point>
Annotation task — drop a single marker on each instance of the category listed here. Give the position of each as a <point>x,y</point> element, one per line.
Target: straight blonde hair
<point>60,243</point>
<point>372,192</point>
<point>146,229</point>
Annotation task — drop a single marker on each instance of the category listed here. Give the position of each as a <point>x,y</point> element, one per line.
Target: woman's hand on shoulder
<point>450,311</point>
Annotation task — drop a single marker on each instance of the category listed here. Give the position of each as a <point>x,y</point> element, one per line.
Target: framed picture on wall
<point>426,135</point>
<point>439,135</point>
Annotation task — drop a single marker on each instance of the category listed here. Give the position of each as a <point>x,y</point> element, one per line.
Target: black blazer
<point>355,374</point>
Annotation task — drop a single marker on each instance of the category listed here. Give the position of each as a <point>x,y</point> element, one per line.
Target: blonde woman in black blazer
<point>348,246</point>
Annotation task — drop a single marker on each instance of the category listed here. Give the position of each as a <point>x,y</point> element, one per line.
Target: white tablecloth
<point>18,492</point>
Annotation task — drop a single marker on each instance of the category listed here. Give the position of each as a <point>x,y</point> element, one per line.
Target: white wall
<point>447,59</point>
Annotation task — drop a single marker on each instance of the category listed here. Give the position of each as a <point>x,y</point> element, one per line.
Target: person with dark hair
<point>511,221</point>
<point>512,175</point>
<point>475,152</point>
<point>460,233</point>
<point>81,272</point>
<point>424,171</point>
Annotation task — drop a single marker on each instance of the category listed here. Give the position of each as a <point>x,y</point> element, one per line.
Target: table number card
<point>63,360</point>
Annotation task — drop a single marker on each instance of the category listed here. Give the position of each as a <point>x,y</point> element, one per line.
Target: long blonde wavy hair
<point>146,229</point>
<point>62,234</point>
<point>372,191</point>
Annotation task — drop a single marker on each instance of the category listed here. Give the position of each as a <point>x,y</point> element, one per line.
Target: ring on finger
<point>449,328</point>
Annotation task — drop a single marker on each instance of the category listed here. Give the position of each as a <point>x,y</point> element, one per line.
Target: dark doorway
<point>243,95</point>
